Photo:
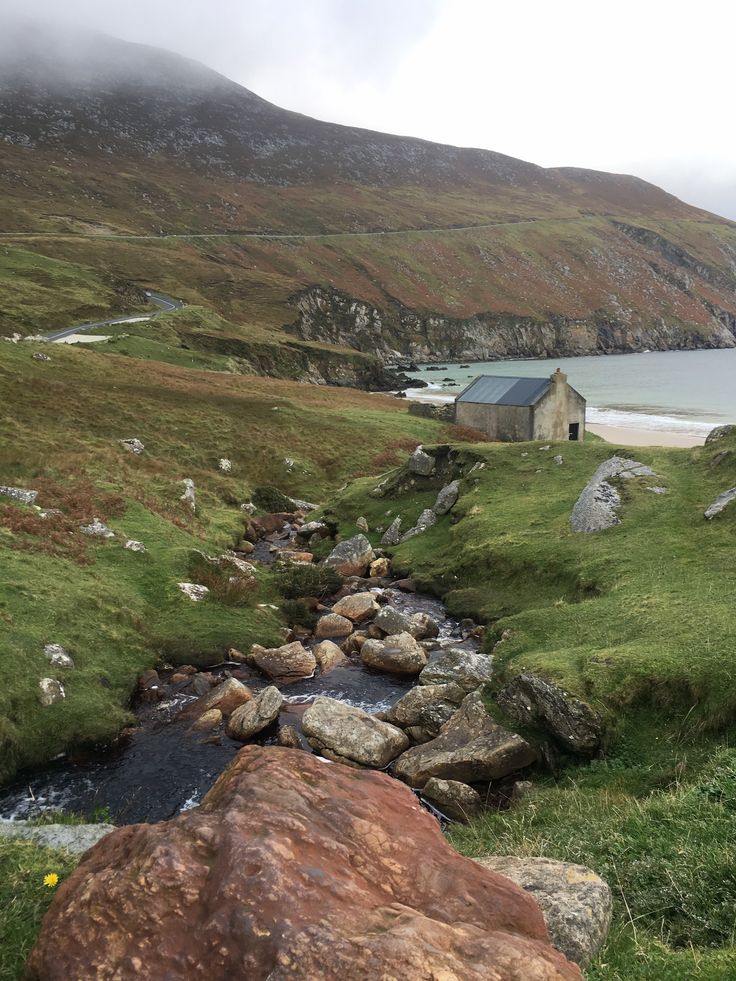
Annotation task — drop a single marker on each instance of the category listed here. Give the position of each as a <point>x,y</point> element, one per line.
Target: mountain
<point>393,245</point>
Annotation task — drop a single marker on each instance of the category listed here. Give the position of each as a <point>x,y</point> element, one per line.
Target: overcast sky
<point>636,86</point>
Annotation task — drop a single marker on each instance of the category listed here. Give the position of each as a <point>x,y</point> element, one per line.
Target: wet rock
<point>189,496</point>
<point>352,557</point>
<point>134,546</point>
<point>225,465</point>
<point>425,521</point>
<point>422,626</point>
<point>470,748</point>
<point>208,720</point>
<point>530,700</point>
<point>50,691</point>
<point>252,717</point>
<point>426,706</point>
<point>396,654</point>
<point>392,535</point>
<point>393,621</point>
<point>597,506</point>
<point>133,445</point>
<point>328,656</point>
<point>455,799</point>
<point>193,590</point>
<point>469,669</point>
<point>227,696</point>
<point>289,737</point>
<point>200,684</point>
<point>58,656</point>
<point>21,494</point>
<point>720,503</point>
<point>719,433</point>
<point>260,870</point>
<point>447,498</point>
<point>379,568</point>
<point>405,585</point>
<point>576,903</point>
<point>357,607</point>
<point>351,734</point>
<point>284,664</point>
<point>421,463</point>
<point>97,529</point>
<point>362,525</point>
<point>333,625</point>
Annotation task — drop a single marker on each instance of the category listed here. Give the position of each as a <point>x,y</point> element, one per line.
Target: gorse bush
<point>295,581</point>
<point>271,499</point>
<point>298,614</point>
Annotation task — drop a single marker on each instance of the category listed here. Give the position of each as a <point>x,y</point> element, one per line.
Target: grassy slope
<point>117,611</point>
<point>638,620</point>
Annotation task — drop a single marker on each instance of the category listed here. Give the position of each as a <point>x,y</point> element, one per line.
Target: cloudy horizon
<point>630,88</point>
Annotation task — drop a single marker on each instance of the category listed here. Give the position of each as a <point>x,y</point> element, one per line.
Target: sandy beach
<point>644,437</point>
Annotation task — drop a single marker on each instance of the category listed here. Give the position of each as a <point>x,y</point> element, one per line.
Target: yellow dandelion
<point>50,880</point>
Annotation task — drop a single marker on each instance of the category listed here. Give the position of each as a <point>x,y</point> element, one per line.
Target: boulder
<point>447,498</point>
<point>250,718</point>
<point>57,656</point>
<point>470,748</point>
<point>208,720</point>
<point>349,734</point>
<point>189,496</point>
<point>392,621</point>
<point>379,568</point>
<point>362,525</point>
<point>530,700</point>
<point>289,737</point>
<point>352,557</point>
<point>134,546</point>
<point>425,520</point>
<point>226,697</point>
<point>310,528</point>
<point>720,503</point>
<point>719,433</point>
<point>97,529</point>
<point>19,494</point>
<point>427,706</point>
<point>328,656</point>
<point>575,902</point>
<point>421,463</point>
<point>457,800</point>
<point>287,663</point>
<point>333,625</point>
<point>597,506</point>
<point>397,654</point>
<point>392,535</point>
<point>224,465</point>
<point>193,590</point>
<point>423,627</point>
<point>292,868</point>
<point>469,669</point>
<point>40,356</point>
<point>133,445</point>
<point>558,460</point>
<point>50,691</point>
<point>357,606</point>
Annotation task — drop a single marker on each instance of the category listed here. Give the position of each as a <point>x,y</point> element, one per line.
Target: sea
<point>686,392</point>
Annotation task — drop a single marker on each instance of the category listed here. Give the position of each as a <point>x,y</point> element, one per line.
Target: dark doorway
<point>574,431</point>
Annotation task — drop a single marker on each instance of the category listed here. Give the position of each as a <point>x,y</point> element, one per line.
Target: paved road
<point>163,302</point>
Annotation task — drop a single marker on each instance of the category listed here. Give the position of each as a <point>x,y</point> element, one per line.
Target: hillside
<point>116,157</point>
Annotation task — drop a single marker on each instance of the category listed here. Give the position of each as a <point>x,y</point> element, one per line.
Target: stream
<point>162,766</point>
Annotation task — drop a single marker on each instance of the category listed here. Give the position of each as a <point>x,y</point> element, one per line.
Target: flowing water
<point>162,767</point>
<point>678,391</point>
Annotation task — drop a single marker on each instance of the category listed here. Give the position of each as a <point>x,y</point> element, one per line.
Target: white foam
<point>645,420</point>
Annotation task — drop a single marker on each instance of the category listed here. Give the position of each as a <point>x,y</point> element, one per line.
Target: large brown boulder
<point>292,869</point>
<point>288,663</point>
<point>471,748</point>
<point>357,607</point>
<point>347,734</point>
<point>397,654</point>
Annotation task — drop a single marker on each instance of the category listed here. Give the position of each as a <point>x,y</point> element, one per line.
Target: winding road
<point>163,302</point>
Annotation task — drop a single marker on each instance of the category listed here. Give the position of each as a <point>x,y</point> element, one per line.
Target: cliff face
<point>398,331</point>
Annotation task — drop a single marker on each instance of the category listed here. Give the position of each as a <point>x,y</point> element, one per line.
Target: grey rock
<point>225,465</point>
<point>599,501</point>
<point>193,590</point>
<point>57,656</point>
<point>423,627</point>
<point>310,528</point>
<point>393,621</point>
<point>720,503</point>
<point>352,557</point>
<point>254,716</point>
<point>21,494</point>
<point>558,460</point>
<point>426,706</point>
<point>249,507</point>
<point>362,525</point>
<point>392,535</point>
<point>468,669</point>
<point>447,498</point>
<point>351,734</point>
<point>50,691</point>
<point>304,506</point>
<point>40,356</point>
<point>97,529</point>
<point>656,490</point>
<point>455,799</point>
<point>470,748</point>
<point>289,737</point>
<point>575,902</point>
<point>189,496</point>
<point>133,445</point>
<point>396,654</point>
<point>421,463</point>
<point>425,520</point>
<point>134,546</point>
<point>719,433</point>
<point>75,838</point>
<point>529,699</point>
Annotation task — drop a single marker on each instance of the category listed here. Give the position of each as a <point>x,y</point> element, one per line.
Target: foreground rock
<point>287,663</point>
<point>292,868</point>
<point>352,557</point>
<point>469,669</point>
<point>397,654</point>
<point>597,506</point>
<point>344,733</point>
<point>576,903</point>
<point>470,748</point>
<point>457,800</point>
<point>252,717</point>
<point>530,700</point>
<point>720,503</point>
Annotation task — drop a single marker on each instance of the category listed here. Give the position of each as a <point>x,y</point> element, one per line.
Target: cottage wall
<point>507,423</point>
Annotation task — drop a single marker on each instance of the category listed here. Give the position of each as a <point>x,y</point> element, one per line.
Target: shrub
<point>295,581</point>
<point>271,499</point>
<point>226,586</point>
<point>297,613</point>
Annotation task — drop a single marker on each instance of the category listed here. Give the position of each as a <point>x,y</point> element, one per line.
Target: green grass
<point>24,898</point>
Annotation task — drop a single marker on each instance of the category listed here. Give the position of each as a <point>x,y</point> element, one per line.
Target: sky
<point>636,86</point>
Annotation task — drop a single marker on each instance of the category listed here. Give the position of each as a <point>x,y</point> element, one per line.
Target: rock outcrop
<point>426,708</point>
<point>530,700</point>
<point>421,463</point>
<point>347,734</point>
<point>352,557</point>
<point>598,504</point>
<point>722,501</point>
<point>22,494</point>
<point>576,903</point>
<point>469,669</point>
<point>719,433</point>
<point>292,868</point>
<point>392,535</point>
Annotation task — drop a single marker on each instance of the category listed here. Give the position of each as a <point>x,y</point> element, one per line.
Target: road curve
<point>163,302</point>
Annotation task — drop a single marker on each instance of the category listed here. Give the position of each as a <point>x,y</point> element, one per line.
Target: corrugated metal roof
<point>501,390</point>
